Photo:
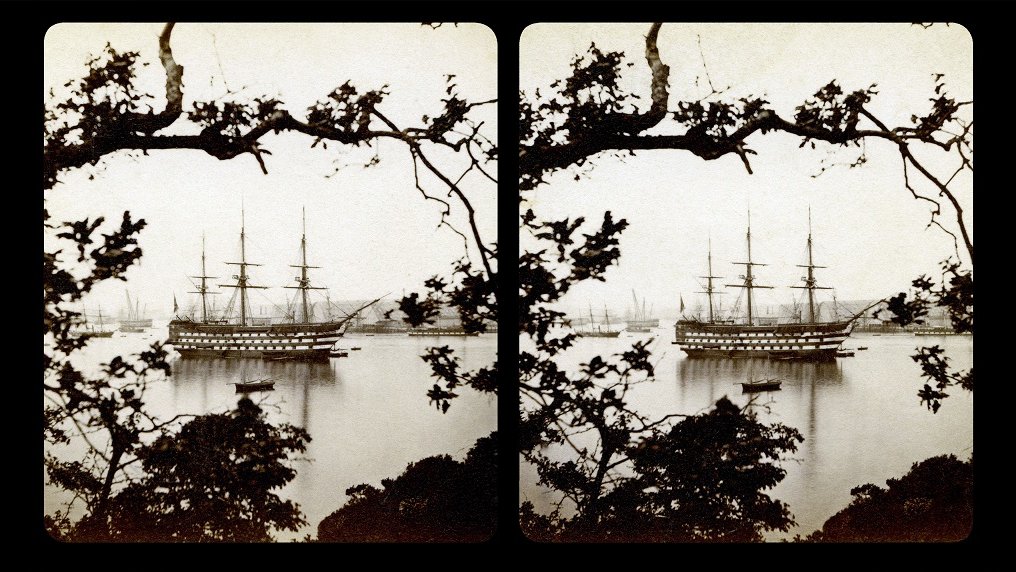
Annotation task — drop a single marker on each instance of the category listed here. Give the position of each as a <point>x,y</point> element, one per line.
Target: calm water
<point>860,416</point>
<point>367,414</point>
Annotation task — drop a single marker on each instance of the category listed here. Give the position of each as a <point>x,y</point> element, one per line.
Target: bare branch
<point>956,242</point>
<point>712,89</point>
<point>174,75</point>
<point>909,187</point>
<point>661,72</point>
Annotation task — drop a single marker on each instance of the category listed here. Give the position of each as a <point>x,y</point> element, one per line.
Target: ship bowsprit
<point>305,342</point>
<point>808,341</point>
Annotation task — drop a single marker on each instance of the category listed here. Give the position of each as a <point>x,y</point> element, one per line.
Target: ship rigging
<point>811,340</point>
<point>257,337</point>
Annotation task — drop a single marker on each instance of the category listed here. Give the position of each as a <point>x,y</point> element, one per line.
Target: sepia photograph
<point>746,282</point>
<point>744,288</point>
<point>270,280</point>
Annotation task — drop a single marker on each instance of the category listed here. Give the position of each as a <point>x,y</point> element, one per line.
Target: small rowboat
<point>254,385</point>
<point>767,384</point>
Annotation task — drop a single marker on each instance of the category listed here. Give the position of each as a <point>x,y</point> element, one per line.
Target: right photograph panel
<point>746,282</point>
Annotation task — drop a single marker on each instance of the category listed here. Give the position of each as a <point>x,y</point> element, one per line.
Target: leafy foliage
<point>139,480</point>
<point>473,294</point>
<point>346,110</point>
<point>136,465</point>
<point>626,477</point>
<point>956,295</point>
<point>701,481</point>
<point>931,503</point>
<point>110,404</point>
<point>212,481</point>
<point>436,499</point>
<point>587,114</point>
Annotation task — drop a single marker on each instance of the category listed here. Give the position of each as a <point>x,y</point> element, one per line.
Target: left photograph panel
<point>269,273</point>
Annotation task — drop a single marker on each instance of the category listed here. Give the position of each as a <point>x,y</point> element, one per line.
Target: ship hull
<point>375,329</point>
<point>301,342</point>
<point>440,332</point>
<point>806,342</point>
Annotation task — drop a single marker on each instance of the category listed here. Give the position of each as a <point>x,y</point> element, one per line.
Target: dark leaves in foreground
<point>956,296</point>
<point>933,502</point>
<point>472,293</point>
<point>216,480</point>
<point>701,481</point>
<point>437,499</point>
<point>626,477</point>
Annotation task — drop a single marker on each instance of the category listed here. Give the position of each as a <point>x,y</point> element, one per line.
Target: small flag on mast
<point>175,308</point>
<point>682,302</point>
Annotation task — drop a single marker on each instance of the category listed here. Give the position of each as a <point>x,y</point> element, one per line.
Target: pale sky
<point>369,230</point>
<point>867,227</point>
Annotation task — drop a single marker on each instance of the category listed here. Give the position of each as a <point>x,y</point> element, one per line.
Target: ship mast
<point>809,280</point>
<point>709,291</point>
<point>748,277</point>
<point>303,282</point>
<point>203,289</point>
<point>241,278</point>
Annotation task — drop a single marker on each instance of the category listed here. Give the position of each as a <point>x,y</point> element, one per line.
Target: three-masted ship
<point>809,340</point>
<point>597,331</point>
<point>640,320</point>
<point>246,336</point>
<point>135,322</point>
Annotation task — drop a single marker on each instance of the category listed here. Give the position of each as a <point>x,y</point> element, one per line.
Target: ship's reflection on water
<point>367,414</point>
<point>196,370</point>
<point>211,381</point>
<point>720,374</point>
<point>703,381</point>
<point>860,417</point>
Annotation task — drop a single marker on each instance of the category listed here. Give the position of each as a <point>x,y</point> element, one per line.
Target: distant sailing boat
<point>101,331</point>
<point>808,340</point>
<point>597,331</point>
<point>303,340</point>
<point>640,320</point>
<point>89,329</point>
<point>134,323</point>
